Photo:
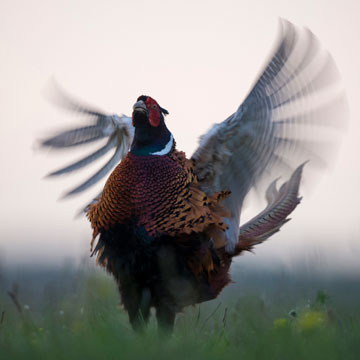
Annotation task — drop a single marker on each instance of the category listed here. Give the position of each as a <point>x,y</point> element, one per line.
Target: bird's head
<point>152,137</point>
<point>146,111</point>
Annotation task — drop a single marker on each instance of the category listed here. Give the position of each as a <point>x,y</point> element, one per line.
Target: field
<point>73,313</point>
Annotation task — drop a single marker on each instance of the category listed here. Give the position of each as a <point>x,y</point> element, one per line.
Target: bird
<point>167,227</point>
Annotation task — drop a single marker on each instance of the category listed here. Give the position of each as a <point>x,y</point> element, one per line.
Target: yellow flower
<point>311,320</point>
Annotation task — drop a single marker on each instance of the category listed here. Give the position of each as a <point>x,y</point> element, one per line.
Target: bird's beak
<point>140,107</point>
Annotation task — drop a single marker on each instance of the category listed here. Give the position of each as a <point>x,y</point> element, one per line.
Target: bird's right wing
<point>118,130</point>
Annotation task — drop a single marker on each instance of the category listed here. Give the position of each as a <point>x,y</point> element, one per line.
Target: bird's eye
<point>154,107</point>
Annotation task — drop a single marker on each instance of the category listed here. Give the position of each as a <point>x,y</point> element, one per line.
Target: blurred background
<point>199,60</point>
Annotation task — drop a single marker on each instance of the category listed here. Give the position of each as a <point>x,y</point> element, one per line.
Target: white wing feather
<point>272,128</point>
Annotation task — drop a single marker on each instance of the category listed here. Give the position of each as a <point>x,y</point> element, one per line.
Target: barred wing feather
<point>271,132</point>
<point>117,129</point>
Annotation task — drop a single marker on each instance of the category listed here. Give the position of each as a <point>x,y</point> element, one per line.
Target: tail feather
<point>281,203</point>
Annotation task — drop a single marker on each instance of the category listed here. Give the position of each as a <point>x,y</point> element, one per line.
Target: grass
<point>74,314</point>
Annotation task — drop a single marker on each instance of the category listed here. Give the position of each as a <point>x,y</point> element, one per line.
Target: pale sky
<point>198,59</point>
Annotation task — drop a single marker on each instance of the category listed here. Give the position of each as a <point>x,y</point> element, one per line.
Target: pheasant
<point>167,227</point>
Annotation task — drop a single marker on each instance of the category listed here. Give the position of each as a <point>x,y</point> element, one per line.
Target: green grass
<point>76,315</point>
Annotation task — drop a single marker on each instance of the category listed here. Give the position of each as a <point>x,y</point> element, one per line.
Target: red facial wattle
<point>154,112</point>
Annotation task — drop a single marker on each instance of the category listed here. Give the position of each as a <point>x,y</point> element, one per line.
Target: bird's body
<point>161,236</point>
<point>167,227</point>
<point>161,192</point>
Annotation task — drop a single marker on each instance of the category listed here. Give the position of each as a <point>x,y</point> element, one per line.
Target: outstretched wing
<point>277,125</point>
<point>118,131</point>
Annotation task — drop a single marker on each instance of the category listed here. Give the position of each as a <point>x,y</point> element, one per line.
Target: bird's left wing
<point>118,130</point>
<point>279,124</point>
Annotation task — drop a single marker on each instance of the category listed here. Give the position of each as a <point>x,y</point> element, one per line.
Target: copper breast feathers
<point>162,194</point>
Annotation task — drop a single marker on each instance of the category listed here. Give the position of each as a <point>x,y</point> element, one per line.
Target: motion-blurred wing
<point>277,126</point>
<point>117,129</point>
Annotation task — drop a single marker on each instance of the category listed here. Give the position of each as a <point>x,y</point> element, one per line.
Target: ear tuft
<point>164,111</point>
<point>142,97</point>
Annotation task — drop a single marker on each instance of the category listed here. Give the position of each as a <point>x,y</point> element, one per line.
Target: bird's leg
<point>138,314</point>
<point>166,318</point>
<point>145,303</point>
<point>137,304</point>
<point>166,289</point>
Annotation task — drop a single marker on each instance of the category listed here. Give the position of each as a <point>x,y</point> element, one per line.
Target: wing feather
<point>88,159</point>
<point>74,137</point>
<point>115,159</point>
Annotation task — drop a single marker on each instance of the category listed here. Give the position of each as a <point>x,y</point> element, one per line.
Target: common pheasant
<point>167,227</point>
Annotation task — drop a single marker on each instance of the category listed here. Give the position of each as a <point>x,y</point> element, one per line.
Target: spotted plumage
<point>167,227</point>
